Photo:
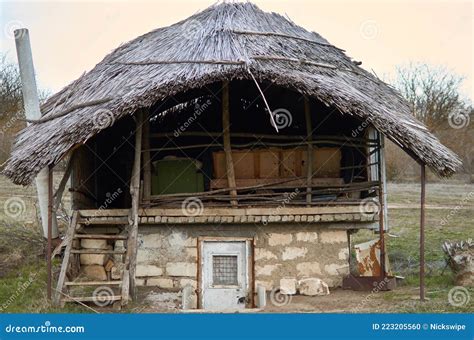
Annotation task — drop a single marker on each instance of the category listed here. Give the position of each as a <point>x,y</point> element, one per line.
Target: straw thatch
<point>224,42</point>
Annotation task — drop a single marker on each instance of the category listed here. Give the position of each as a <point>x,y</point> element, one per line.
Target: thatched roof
<point>224,42</point>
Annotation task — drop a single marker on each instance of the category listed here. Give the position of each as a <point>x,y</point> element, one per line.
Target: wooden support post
<point>309,158</point>
<point>381,212</point>
<point>135,193</point>
<point>68,239</point>
<point>422,233</point>
<point>58,195</point>
<point>146,157</point>
<point>50,232</point>
<point>227,148</point>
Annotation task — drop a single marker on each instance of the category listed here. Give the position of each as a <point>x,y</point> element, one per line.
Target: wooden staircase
<point>105,292</point>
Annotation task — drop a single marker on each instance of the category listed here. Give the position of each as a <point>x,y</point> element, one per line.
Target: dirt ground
<point>402,299</point>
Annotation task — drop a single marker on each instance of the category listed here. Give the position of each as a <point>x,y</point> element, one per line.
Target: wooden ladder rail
<point>67,255</point>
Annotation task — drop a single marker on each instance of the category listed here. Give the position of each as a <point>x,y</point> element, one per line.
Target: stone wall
<point>167,255</point>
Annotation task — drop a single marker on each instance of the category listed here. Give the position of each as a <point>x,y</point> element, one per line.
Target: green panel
<point>173,176</point>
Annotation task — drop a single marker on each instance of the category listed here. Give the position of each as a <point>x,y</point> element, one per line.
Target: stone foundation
<point>167,255</point>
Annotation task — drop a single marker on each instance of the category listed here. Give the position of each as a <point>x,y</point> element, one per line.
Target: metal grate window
<point>224,269</point>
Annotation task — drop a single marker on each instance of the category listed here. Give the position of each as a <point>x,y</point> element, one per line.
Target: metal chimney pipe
<point>32,112</point>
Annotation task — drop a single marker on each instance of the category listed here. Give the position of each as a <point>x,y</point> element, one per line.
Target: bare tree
<point>12,118</point>
<point>432,91</point>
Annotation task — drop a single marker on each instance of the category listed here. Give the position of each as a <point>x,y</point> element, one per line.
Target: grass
<point>24,290</point>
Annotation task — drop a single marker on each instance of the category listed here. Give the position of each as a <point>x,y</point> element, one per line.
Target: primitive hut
<point>228,151</point>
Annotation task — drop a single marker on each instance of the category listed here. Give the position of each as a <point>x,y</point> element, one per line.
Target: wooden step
<point>101,236</point>
<point>104,220</point>
<point>92,298</point>
<point>93,283</point>
<point>97,251</point>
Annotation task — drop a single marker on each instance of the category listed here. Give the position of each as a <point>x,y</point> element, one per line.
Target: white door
<point>224,274</point>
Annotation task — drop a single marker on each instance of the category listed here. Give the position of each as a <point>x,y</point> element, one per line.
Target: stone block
<point>266,270</point>
<point>263,254</point>
<point>94,272</point>
<point>181,269</point>
<point>144,270</point>
<point>88,259</point>
<point>312,287</point>
<point>150,241</point>
<point>307,236</point>
<point>288,286</point>
<point>160,283</point>
<point>94,244</point>
<point>291,253</point>
<point>333,236</point>
<point>279,239</point>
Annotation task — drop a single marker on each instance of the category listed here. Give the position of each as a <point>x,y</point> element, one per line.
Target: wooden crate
<point>279,163</point>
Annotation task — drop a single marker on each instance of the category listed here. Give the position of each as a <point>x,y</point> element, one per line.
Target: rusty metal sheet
<point>368,258</point>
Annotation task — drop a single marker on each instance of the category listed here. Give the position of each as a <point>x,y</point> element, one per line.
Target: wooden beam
<point>422,233</point>
<point>146,157</point>
<point>381,215</point>
<point>50,231</point>
<point>67,254</point>
<point>226,137</point>
<point>309,158</point>
<point>131,261</point>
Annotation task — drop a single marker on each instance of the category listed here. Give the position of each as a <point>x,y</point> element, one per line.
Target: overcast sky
<point>70,37</point>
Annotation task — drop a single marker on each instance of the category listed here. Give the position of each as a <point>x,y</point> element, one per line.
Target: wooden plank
<point>309,160</point>
<point>336,209</point>
<point>104,212</point>
<point>91,298</point>
<point>93,283</point>
<point>97,251</point>
<point>90,221</point>
<point>101,236</point>
<point>125,287</point>
<point>146,157</point>
<point>65,263</point>
<point>298,182</point>
<point>226,140</point>
<point>131,258</point>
